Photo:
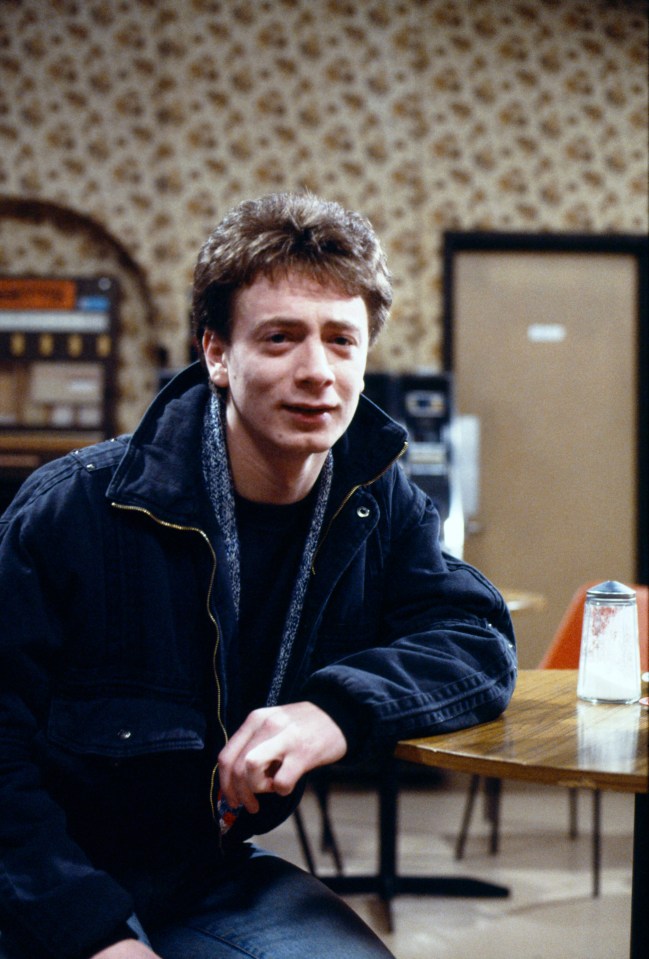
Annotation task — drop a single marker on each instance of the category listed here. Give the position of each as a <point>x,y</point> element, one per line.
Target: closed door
<point>544,348</point>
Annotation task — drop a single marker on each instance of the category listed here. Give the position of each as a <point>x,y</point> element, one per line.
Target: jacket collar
<point>371,443</point>
<point>160,471</point>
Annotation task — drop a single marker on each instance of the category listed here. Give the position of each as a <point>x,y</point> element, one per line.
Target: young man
<point>196,616</point>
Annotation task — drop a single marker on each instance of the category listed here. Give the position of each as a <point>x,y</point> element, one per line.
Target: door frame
<point>633,245</point>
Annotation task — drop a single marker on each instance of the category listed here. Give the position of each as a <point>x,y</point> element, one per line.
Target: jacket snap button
<point>362,512</point>
<point>90,466</point>
<point>125,734</point>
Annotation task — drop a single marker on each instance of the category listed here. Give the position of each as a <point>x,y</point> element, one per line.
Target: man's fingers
<point>262,763</point>
<point>250,770</point>
<point>274,747</point>
<point>232,772</point>
<point>273,768</point>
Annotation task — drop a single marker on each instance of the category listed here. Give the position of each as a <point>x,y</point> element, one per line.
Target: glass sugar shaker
<point>609,661</point>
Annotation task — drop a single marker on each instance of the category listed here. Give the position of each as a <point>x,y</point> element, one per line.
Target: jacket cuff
<point>348,715</point>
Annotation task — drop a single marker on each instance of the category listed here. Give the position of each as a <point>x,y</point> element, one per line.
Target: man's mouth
<point>308,410</point>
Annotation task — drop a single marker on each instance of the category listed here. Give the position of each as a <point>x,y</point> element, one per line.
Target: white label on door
<point>546,333</point>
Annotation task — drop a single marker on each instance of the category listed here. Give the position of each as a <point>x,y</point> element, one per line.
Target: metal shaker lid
<point>611,590</point>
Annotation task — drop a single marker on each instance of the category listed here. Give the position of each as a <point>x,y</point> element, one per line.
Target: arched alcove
<point>42,238</point>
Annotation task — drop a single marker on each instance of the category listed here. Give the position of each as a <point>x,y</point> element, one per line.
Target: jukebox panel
<point>57,340</point>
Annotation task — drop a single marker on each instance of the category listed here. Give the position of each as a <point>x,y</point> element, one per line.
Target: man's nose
<point>313,364</point>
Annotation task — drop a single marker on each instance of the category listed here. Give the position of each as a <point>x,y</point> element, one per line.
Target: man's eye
<point>277,338</point>
<point>342,341</point>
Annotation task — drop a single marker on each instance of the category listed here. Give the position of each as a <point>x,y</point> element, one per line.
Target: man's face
<point>293,367</point>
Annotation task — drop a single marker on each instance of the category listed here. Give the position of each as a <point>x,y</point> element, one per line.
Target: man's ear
<point>214,350</point>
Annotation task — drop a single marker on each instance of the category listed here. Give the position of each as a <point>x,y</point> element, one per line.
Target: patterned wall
<point>155,116</point>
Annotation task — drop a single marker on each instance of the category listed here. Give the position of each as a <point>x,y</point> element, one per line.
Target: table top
<point>547,735</point>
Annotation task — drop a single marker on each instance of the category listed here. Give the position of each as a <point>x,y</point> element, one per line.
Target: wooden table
<point>548,736</point>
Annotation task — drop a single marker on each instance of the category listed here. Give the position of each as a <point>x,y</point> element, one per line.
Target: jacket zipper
<point>217,682</point>
<point>349,496</point>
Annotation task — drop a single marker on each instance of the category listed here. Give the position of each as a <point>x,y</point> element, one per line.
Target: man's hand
<point>126,949</point>
<point>275,747</point>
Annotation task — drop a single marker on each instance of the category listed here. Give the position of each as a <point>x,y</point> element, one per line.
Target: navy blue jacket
<point>117,633</point>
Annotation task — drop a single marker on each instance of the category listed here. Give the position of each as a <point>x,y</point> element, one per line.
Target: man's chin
<point>310,444</point>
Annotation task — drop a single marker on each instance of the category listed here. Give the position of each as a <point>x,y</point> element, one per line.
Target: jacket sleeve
<point>443,653</point>
<point>53,903</point>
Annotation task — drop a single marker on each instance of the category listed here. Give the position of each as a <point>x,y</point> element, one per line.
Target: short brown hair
<point>281,233</point>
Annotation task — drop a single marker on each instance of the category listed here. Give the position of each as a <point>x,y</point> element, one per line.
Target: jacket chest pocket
<point>121,727</point>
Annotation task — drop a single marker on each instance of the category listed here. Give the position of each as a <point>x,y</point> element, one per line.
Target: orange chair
<point>563,653</point>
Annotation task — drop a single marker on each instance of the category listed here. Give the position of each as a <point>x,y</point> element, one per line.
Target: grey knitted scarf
<point>218,479</point>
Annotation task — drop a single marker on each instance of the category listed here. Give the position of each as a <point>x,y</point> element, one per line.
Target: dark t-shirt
<point>271,543</point>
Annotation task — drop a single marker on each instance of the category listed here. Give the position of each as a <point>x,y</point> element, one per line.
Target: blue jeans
<point>262,907</point>
<point>269,909</point>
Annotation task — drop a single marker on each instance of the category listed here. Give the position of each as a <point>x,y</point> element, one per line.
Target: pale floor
<point>550,913</point>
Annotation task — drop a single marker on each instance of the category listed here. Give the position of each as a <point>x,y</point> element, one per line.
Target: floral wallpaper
<point>153,117</point>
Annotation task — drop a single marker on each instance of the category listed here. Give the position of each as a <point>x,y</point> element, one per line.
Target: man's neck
<point>271,481</point>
